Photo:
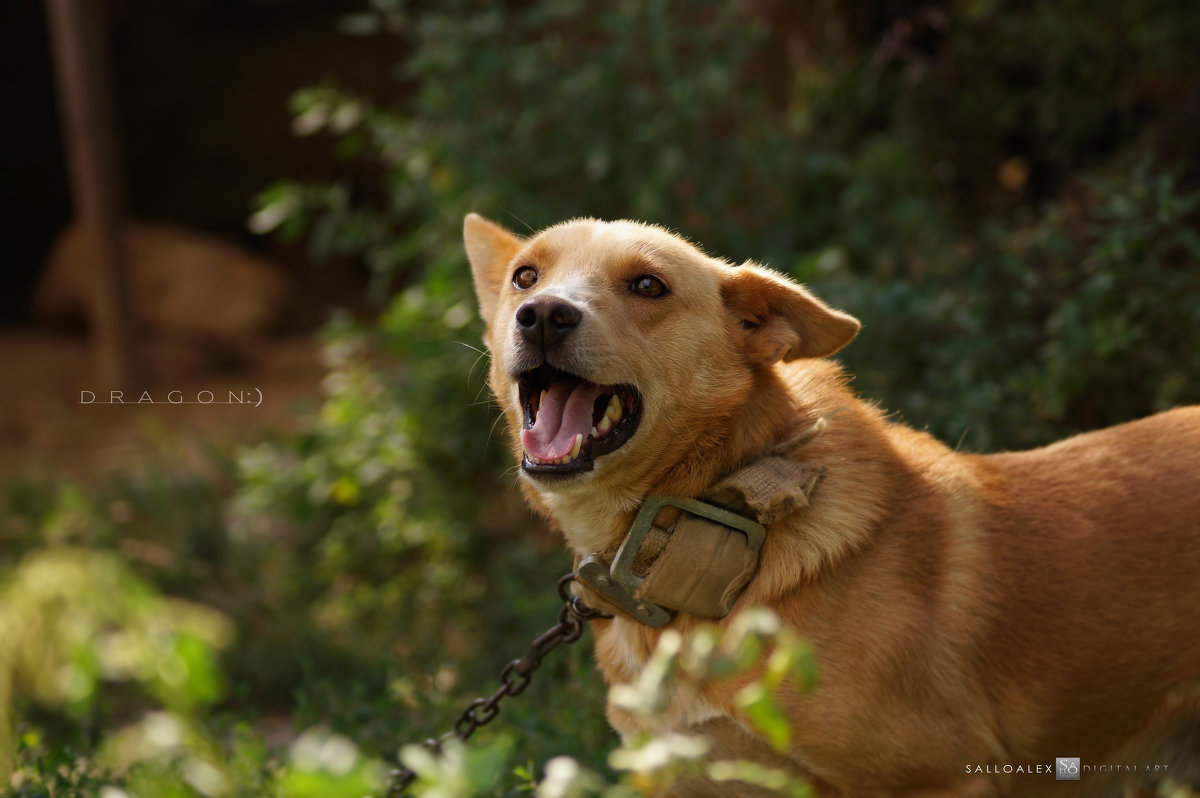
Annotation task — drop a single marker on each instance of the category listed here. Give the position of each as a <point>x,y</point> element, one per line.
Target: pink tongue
<point>564,413</point>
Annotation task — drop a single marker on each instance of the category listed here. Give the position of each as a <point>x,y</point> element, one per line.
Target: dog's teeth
<point>605,425</point>
<point>595,432</point>
<point>541,399</point>
<point>614,410</point>
<point>573,454</point>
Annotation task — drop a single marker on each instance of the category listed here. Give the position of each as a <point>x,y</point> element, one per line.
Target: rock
<point>184,284</point>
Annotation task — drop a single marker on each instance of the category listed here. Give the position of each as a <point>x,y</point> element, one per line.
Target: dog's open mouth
<point>569,421</point>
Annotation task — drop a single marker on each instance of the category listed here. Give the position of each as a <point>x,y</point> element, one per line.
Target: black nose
<point>545,321</point>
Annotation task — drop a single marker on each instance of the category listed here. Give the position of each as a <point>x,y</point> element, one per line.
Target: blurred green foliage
<point>651,762</point>
<point>72,620</point>
<point>1005,193</point>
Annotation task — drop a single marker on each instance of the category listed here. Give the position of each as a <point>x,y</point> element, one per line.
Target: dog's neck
<point>596,518</point>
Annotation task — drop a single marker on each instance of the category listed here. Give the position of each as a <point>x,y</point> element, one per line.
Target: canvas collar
<point>698,555</point>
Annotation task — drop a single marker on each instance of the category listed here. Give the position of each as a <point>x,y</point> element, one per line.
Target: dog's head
<point>617,346</point>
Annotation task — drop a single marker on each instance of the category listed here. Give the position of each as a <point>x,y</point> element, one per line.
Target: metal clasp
<point>619,584</point>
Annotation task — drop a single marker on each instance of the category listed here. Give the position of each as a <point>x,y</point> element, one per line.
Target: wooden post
<point>89,135</point>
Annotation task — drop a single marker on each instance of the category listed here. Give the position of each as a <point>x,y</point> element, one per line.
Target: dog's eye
<point>525,277</point>
<point>647,286</point>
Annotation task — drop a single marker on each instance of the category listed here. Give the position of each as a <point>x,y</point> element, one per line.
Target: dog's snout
<point>547,320</point>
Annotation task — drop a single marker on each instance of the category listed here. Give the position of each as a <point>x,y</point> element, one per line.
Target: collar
<point>698,555</point>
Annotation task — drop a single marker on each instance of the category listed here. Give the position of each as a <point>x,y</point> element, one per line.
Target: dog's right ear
<point>780,320</point>
<point>490,248</point>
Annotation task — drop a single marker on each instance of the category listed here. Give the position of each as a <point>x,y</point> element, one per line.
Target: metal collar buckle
<point>619,584</point>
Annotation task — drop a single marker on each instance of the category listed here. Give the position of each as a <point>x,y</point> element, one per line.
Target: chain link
<point>514,678</point>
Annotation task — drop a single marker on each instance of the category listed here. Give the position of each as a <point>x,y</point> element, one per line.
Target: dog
<point>974,617</point>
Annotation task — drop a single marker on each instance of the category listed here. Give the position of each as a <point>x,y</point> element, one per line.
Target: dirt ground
<point>54,419</point>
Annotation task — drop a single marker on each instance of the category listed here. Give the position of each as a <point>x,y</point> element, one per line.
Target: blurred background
<point>1005,193</point>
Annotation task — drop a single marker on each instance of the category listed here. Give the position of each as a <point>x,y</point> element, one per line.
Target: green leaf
<point>758,703</point>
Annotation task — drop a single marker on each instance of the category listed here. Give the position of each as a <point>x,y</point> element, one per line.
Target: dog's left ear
<point>780,319</point>
<point>490,248</point>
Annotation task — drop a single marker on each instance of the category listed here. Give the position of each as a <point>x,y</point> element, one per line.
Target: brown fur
<point>966,610</point>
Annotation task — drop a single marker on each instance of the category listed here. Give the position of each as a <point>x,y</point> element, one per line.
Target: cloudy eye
<point>647,286</point>
<point>525,277</point>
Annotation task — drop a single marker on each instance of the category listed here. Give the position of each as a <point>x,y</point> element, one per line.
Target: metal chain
<point>515,677</point>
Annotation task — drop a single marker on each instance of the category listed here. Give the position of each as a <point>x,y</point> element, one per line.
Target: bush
<point>1066,322</point>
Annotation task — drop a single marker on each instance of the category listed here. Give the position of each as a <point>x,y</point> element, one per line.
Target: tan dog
<point>974,617</point>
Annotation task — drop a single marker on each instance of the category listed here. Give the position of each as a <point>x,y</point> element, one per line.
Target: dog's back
<point>1096,545</point>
